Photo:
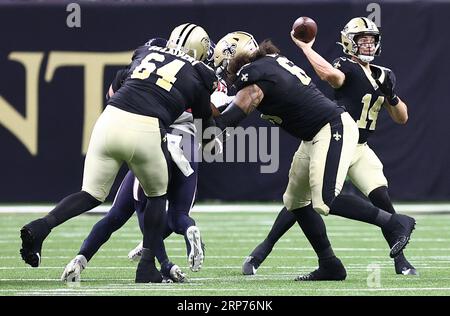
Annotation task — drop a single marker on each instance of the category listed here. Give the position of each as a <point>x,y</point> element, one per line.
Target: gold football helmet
<point>354,28</point>
<point>231,45</point>
<point>191,39</point>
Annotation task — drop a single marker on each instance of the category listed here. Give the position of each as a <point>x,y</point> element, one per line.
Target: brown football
<point>305,29</point>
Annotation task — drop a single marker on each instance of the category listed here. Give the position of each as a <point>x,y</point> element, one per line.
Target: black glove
<point>388,87</point>
<point>230,117</point>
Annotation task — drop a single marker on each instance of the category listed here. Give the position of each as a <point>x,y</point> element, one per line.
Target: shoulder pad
<point>239,71</point>
<point>138,51</point>
<point>382,68</point>
<point>338,62</point>
<point>247,75</point>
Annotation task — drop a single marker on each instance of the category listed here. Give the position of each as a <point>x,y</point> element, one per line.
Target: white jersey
<point>185,123</point>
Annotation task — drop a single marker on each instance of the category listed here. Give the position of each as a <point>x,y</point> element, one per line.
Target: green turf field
<point>229,237</point>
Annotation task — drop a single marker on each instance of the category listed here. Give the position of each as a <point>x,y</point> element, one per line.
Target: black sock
<point>153,223</point>
<point>315,231</point>
<point>148,255</point>
<point>71,206</point>
<point>356,208</point>
<point>160,249</point>
<point>380,198</point>
<point>284,221</point>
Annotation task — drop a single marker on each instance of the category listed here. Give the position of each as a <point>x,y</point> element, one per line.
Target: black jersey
<point>162,83</point>
<point>360,94</point>
<point>290,100</point>
<point>119,79</point>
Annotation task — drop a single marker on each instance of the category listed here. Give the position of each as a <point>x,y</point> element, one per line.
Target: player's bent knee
<point>155,193</point>
<point>155,188</point>
<point>322,209</point>
<point>99,195</point>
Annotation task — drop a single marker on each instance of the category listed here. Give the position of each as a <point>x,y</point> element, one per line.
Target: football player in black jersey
<point>130,198</point>
<point>160,84</point>
<point>362,88</point>
<point>284,94</point>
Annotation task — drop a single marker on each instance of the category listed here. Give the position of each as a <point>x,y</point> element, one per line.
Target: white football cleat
<point>177,275</point>
<point>72,272</point>
<point>196,255</point>
<point>136,253</point>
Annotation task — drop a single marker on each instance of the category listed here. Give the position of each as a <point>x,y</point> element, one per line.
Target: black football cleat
<point>250,265</point>
<point>400,227</point>
<point>402,266</point>
<point>329,270</point>
<point>256,258</point>
<point>146,271</point>
<point>33,235</point>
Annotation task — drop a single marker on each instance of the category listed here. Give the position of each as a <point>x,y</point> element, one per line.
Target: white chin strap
<point>365,58</point>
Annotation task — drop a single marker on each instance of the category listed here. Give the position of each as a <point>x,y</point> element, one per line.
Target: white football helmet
<point>357,27</point>
<point>191,39</point>
<point>231,45</point>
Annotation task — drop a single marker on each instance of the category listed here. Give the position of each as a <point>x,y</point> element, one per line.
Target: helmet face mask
<point>229,46</point>
<point>190,39</point>
<point>210,57</point>
<point>356,29</point>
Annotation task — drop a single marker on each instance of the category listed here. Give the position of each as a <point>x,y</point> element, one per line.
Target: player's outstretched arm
<point>249,98</point>
<point>323,68</point>
<point>245,101</point>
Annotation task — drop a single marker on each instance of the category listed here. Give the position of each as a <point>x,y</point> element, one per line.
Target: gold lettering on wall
<point>25,128</point>
<point>94,64</point>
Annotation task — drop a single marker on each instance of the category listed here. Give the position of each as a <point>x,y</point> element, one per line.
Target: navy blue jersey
<point>360,94</point>
<point>163,82</point>
<point>290,100</point>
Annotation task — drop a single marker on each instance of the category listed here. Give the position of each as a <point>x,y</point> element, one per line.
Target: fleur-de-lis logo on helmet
<point>231,45</point>
<point>229,49</point>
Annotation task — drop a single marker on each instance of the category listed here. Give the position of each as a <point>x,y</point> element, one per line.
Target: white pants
<point>320,166</point>
<point>366,170</point>
<point>119,136</point>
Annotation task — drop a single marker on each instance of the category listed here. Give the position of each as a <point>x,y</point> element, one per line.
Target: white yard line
<point>167,288</point>
<point>246,249</point>
<point>235,267</point>
<point>124,257</point>
<point>231,208</point>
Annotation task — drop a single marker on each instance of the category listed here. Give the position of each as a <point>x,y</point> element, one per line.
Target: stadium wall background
<point>54,79</point>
